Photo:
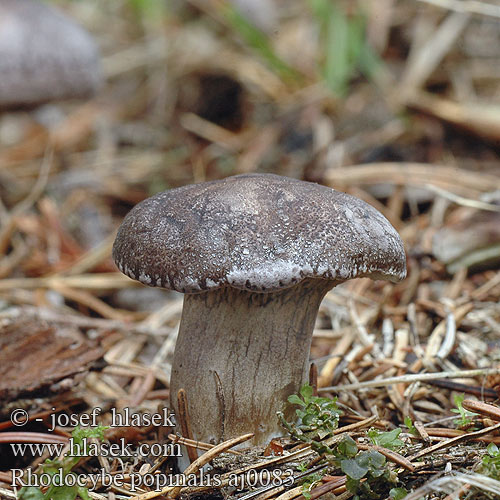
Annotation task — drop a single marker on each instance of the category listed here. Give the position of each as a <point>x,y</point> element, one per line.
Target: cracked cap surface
<point>260,232</point>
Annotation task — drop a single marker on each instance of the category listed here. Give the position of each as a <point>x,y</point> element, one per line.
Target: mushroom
<point>44,56</point>
<point>255,255</point>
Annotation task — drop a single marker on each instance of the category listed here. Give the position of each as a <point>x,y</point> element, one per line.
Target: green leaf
<point>373,458</point>
<point>81,433</point>
<point>306,391</point>
<point>302,467</point>
<point>352,485</point>
<point>309,482</point>
<point>306,493</point>
<point>337,68</point>
<point>52,467</point>
<point>30,493</point>
<point>321,8</point>
<point>353,469</point>
<point>63,493</point>
<point>343,44</point>
<point>347,447</point>
<point>258,41</point>
<point>295,400</point>
<point>465,419</point>
<point>397,493</point>
<point>323,433</point>
<point>411,428</point>
<point>83,493</point>
<point>492,450</point>
<point>317,417</point>
<point>386,439</point>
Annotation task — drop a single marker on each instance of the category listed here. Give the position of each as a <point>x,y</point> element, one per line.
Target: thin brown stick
<point>97,281</point>
<point>31,437</point>
<point>313,378</point>
<point>87,299</point>
<point>328,486</point>
<point>417,377</point>
<point>413,174</point>
<point>200,445</point>
<point>483,408</point>
<point>185,423</point>
<point>453,441</point>
<point>293,493</point>
<point>444,432</point>
<point>146,385</point>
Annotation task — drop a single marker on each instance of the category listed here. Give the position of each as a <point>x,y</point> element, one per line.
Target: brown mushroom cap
<point>259,232</point>
<point>44,55</point>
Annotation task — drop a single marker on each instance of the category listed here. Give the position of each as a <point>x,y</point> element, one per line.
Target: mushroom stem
<point>240,354</point>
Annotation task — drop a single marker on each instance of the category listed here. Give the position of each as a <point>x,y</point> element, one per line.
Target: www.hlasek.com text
<point>88,448</point>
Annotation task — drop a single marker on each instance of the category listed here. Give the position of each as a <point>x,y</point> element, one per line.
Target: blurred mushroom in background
<point>44,56</point>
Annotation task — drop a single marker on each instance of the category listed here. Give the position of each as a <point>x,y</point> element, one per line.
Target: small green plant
<point>258,41</point>
<point>397,493</point>
<point>466,417</point>
<point>386,439</point>
<point>490,464</point>
<point>411,428</point>
<point>367,471</point>
<point>63,467</point>
<point>309,483</point>
<point>372,467</point>
<point>148,8</point>
<point>317,417</point>
<point>345,47</point>
<point>302,467</point>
